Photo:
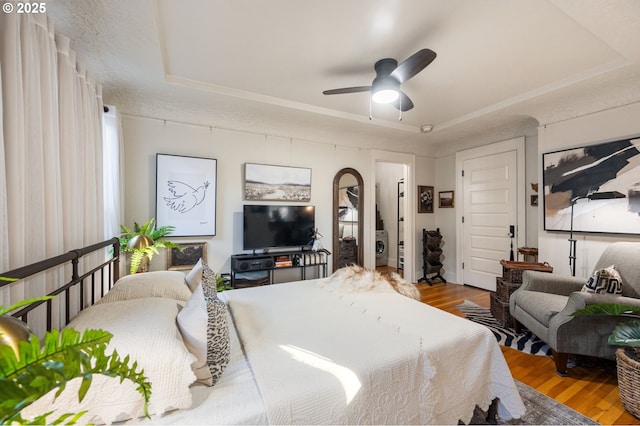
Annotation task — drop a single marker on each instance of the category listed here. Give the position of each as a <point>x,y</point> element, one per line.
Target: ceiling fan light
<point>385,96</point>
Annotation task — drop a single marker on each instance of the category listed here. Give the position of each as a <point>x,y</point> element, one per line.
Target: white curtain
<point>51,162</point>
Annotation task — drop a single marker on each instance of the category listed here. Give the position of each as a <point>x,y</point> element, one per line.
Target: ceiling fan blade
<point>347,90</point>
<point>413,65</point>
<point>403,103</point>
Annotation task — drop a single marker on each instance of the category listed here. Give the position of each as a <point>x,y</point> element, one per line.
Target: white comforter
<point>320,354</point>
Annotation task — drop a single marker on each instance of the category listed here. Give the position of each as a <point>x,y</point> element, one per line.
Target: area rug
<point>524,342</point>
<point>541,410</point>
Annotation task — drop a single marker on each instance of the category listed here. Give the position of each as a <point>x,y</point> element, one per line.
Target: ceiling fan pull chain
<point>400,110</point>
<point>370,115</point>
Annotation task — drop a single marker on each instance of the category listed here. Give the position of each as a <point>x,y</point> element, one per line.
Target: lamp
<point>607,195</point>
<point>12,331</point>
<point>385,90</point>
<point>140,242</point>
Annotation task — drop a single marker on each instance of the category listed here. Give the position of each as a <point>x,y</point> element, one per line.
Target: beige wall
<point>144,137</point>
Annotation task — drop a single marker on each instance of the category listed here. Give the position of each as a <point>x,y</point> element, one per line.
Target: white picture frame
<point>186,194</point>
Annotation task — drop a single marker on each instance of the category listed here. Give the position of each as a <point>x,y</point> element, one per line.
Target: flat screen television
<point>269,226</point>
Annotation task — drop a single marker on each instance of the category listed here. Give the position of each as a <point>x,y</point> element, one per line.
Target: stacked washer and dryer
<point>382,248</point>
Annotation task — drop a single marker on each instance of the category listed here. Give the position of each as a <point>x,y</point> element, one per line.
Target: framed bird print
<point>186,194</point>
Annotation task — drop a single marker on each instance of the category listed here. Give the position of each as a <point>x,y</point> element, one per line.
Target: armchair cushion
<point>543,306</point>
<point>605,280</point>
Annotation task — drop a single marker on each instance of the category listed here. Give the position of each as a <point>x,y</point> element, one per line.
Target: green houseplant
<point>627,336</point>
<point>143,242</point>
<point>33,370</point>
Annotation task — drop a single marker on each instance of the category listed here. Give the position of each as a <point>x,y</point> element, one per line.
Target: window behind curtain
<point>112,153</point>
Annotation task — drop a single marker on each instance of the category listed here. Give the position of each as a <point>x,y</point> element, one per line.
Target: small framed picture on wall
<point>445,199</point>
<point>186,258</point>
<point>425,199</point>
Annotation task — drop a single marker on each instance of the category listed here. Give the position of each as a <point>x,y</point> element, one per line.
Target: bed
<point>325,351</point>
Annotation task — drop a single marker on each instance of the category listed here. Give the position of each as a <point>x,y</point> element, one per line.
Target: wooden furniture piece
<point>431,253</point>
<point>529,254</point>
<point>510,281</point>
<point>250,270</point>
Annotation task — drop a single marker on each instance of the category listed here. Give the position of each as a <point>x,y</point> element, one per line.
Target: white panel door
<point>490,209</point>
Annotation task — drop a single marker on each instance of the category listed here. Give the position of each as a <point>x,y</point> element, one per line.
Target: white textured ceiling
<point>503,66</point>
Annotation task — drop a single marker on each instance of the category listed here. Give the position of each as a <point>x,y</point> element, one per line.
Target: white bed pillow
<point>204,328</point>
<point>194,276</point>
<point>167,284</point>
<point>145,329</point>
<point>192,323</point>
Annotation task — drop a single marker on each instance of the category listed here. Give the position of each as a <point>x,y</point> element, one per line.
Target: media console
<point>249,270</point>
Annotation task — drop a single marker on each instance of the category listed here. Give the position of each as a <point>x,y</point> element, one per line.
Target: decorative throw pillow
<point>218,348</point>
<point>194,276</point>
<point>144,329</point>
<point>167,284</point>
<point>606,280</point>
<point>204,328</point>
<point>192,323</point>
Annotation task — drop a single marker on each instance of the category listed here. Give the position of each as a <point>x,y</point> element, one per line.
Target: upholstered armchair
<point>544,304</point>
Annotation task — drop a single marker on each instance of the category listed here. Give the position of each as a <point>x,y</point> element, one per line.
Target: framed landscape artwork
<point>445,199</point>
<point>188,257</point>
<point>276,183</point>
<point>186,194</point>
<point>588,176</point>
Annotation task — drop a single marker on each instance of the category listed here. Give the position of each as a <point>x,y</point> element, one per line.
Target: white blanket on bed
<point>323,355</point>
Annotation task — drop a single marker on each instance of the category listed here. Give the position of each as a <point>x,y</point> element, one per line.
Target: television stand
<point>255,269</point>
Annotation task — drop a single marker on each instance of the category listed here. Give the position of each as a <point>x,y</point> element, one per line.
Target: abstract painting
<point>348,211</point>
<point>186,194</point>
<point>575,175</point>
<point>348,204</point>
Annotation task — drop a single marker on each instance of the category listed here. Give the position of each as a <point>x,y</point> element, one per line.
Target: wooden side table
<point>529,254</point>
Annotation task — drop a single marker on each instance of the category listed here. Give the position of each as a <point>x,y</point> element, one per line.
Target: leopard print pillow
<point>218,347</point>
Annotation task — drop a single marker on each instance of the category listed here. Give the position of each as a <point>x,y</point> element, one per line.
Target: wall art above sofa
<point>588,177</point>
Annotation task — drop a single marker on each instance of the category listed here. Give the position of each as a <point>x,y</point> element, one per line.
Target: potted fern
<point>627,336</point>
<point>30,370</point>
<point>143,242</point>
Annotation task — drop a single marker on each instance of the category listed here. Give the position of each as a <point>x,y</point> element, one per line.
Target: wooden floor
<point>592,392</point>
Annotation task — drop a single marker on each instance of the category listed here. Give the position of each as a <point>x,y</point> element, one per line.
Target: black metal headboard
<point>93,279</point>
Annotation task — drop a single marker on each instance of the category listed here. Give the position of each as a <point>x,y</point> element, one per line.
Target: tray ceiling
<point>503,67</point>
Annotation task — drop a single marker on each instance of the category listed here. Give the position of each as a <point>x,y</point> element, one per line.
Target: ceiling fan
<point>385,88</point>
